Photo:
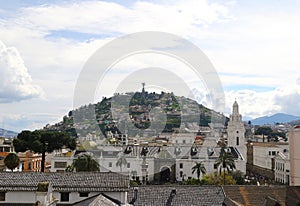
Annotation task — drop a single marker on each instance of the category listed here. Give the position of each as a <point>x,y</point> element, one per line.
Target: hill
<point>7,133</point>
<point>135,113</point>
<point>276,118</point>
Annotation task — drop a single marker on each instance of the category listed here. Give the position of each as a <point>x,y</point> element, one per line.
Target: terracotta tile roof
<point>293,196</point>
<point>185,195</point>
<point>67,182</point>
<point>255,195</point>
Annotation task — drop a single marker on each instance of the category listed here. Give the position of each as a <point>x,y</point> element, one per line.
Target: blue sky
<point>253,45</point>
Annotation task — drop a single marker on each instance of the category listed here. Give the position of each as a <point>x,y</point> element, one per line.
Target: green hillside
<point>132,113</point>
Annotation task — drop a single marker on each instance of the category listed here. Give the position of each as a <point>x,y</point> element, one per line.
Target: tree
<point>41,141</point>
<point>11,161</point>
<point>264,131</point>
<point>225,162</point>
<point>238,176</point>
<point>199,169</point>
<point>121,161</point>
<point>218,179</point>
<point>85,163</point>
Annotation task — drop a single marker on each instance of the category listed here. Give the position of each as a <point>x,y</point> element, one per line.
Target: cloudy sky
<point>253,45</point>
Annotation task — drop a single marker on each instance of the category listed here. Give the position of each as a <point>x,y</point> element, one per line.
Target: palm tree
<point>199,168</point>
<point>70,168</point>
<point>85,163</point>
<point>225,162</point>
<point>120,162</point>
<point>11,161</point>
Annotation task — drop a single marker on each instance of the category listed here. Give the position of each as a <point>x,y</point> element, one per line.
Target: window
<point>64,197</point>
<point>237,141</point>
<point>181,174</point>
<point>273,153</point>
<point>128,165</point>
<point>83,194</point>
<point>183,141</point>
<point>237,132</point>
<point>2,196</point>
<point>181,165</point>
<point>110,164</point>
<point>60,164</point>
<point>29,165</point>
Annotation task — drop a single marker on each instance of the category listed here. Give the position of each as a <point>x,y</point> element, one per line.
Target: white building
<point>236,138</point>
<point>294,139</point>
<point>266,156</point>
<point>282,167</point>
<point>61,159</point>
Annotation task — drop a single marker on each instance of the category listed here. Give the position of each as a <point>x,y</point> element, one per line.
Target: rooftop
<point>65,182</point>
<point>255,195</point>
<point>176,195</point>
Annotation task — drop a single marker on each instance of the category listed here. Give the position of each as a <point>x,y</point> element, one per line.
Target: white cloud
<point>298,80</point>
<point>253,46</point>
<point>15,81</point>
<point>100,17</point>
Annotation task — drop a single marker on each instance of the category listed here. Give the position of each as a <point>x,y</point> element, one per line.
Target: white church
<point>172,162</point>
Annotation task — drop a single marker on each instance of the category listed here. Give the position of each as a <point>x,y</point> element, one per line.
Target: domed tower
<point>236,136</point>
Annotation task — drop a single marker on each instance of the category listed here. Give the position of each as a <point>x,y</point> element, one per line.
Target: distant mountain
<point>276,118</point>
<point>7,133</point>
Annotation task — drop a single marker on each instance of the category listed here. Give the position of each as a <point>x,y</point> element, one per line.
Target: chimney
<point>135,196</point>
<point>44,194</point>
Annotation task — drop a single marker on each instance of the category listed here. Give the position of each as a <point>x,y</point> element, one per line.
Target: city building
<point>294,139</point>
<point>261,159</point>
<point>282,167</point>
<point>61,159</point>
<point>6,147</point>
<point>30,161</point>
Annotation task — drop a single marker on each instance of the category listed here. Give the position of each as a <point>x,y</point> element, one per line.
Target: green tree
<point>264,130</point>
<point>199,169</point>
<point>41,141</point>
<point>11,161</point>
<point>85,163</point>
<point>121,162</point>
<point>218,179</point>
<point>238,176</point>
<point>225,162</point>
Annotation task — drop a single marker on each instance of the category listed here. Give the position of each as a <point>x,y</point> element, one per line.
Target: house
<point>66,188</point>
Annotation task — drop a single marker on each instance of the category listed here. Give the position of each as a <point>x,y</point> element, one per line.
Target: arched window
<point>237,141</point>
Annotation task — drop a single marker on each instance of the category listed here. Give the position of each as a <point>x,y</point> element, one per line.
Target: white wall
<point>19,197</point>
